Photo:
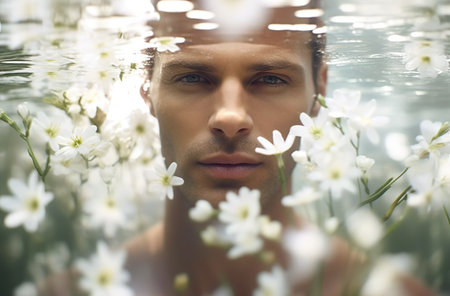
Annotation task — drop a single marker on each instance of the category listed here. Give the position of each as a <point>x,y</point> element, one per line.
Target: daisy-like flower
<point>27,205</point>
<point>278,146</point>
<point>106,207</point>
<point>364,119</point>
<point>312,129</point>
<point>202,211</point>
<point>303,197</point>
<point>336,174</point>
<point>307,249</point>
<point>427,57</point>
<point>241,210</point>
<point>430,180</point>
<point>49,129</point>
<point>434,139</point>
<point>103,273</point>
<point>365,228</point>
<point>244,243</point>
<point>92,99</point>
<point>162,179</point>
<point>343,103</point>
<point>83,141</point>
<point>163,44</point>
<point>273,283</point>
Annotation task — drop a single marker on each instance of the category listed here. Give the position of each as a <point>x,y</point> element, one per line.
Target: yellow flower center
<point>243,212</point>
<point>76,141</point>
<point>51,132</point>
<point>335,174</point>
<point>140,129</point>
<point>165,180</point>
<point>104,278</point>
<point>33,204</point>
<point>426,59</point>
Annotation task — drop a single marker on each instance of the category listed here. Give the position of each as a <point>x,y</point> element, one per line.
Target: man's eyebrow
<point>191,65</point>
<point>276,65</point>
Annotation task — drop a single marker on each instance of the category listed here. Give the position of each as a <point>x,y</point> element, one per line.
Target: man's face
<point>213,101</point>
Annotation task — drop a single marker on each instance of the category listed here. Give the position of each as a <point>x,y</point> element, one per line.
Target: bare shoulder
<point>347,269</point>
<point>149,244</point>
<point>145,261</point>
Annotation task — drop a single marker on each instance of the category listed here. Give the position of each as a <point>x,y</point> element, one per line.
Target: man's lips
<point>229,166</point>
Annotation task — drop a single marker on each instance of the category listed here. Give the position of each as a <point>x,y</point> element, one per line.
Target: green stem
<point>330,205</point>
<point>382,189</point>
<point>24,136</point>
<point>280,163</point>
<point>396,202</point>
<point>446,214</point>
<point>396,223</point>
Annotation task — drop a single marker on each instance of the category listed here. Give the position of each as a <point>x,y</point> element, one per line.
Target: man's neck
<point>208,267</point>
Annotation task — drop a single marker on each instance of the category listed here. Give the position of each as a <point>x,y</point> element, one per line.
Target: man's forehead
<point>238,20</point>
<point>246,52</point>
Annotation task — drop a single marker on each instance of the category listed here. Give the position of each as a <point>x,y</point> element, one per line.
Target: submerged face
<point>213,100</point>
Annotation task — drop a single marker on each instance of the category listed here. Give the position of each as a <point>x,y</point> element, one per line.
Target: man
<point>212,99</point>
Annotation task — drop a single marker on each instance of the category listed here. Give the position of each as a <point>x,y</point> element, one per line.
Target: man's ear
<point>144,90</point>
<point>322,78</point>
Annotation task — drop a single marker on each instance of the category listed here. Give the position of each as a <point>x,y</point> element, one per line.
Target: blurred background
<point>40,45</point>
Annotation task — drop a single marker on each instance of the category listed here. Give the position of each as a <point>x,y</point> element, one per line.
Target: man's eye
<point>192,78</point>
<point>271,80</point>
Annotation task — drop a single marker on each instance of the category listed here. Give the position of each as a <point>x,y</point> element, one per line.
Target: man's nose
<point>230,118</point>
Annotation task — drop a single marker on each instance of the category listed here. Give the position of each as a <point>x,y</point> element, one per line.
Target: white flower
<point>83,141</point>
<point>434,139</point>
<point>49,129</point>
<point>214,236</point>
<point>427,57</point>
<point>343,103</point>
<point>430,181</point>
<point>279,144</point>
<point>25,10</point>
<point>244,243</point>
<point>363,119</point>
<point>336,173</point>
<point>163,180</point>
<point>273,283</point>
<point>202,211</point>
<point>364,163</point>
<point>240,211</point>
<point>26,289</point>
<point>331,224</point>
<point>300,157</point>
<point>365,228</point>
<point>24,111</point>
<point>163,44</point>
<point>103,273</point>
<point>269,229</point>
<point>385,278</point>
<point>303,197</point>
<point>92,99</point>
<point>307,249</point>
<point>109,208</point>
<point>312,129</point>
<point>27,205</point>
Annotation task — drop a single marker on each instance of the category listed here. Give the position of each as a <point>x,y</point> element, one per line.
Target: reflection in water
<point>85,59</point>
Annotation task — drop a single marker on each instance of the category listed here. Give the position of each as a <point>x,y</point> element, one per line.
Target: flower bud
<point>364,163</point>
<point>24,111</point>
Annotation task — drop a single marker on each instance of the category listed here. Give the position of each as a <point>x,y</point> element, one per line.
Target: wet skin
<point>212,101</point>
